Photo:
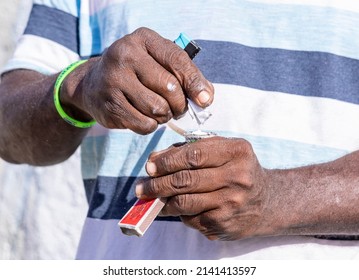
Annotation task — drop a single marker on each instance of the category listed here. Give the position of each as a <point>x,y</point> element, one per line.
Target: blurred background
<point>41,209</point>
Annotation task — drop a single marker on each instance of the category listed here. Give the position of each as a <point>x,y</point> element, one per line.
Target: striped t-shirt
<point>286,78</point>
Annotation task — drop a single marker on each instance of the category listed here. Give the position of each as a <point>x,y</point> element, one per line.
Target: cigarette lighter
<point>141,215</point>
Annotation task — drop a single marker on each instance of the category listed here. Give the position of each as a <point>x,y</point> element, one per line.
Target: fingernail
<point>203,97</point>
<point>139,190</point>
<point>151,168</point>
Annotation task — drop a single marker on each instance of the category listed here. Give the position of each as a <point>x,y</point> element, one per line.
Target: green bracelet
<point>57,87</point>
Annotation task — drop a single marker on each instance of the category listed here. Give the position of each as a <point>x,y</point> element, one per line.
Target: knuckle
<point>142,32</point>
<point>196,158</point>
<point>111,53</point>
<point>114,51</point>
<point>184,179</point>
<point>247,180</point>
<point>241,147</point>
<point>246,146</point>
<point>168,163</point>
<point>124,51</point>
<point>179,60</point>
<point>181,202</point>
<point>194,82</point>
<point>234,200</point>
<point>114,107</point>
<point>160,107</point>
<point>172,84</point>
<point>152,187</point>
<point>150,39</point>
<point>113,116</point>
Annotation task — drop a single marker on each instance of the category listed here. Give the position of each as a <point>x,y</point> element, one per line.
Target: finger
<point>176,61</point>
<point>119,113</point>
<point>204,223</point>
<point>182,182</point>
<point>159,80</point>
<point>190,204</point>
<point>146,101</point>
<point>204,153</point>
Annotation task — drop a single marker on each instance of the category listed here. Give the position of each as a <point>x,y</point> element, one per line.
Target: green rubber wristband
<point>57,88</point>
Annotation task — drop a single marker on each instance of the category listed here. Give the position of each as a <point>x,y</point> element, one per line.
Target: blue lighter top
<point>183,40</point>
<point>191,47</point>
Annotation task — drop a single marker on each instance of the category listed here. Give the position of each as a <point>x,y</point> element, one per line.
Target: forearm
<point>317,199</point>
<point>228,195</point>
<point>31,130</point>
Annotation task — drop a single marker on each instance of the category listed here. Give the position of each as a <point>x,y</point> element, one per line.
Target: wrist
<point>274,220</point>
<point>282,216</point>
<point>295,202</point>
<point>71,94</point>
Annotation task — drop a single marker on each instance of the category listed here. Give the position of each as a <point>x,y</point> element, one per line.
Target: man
<point>285,166</point>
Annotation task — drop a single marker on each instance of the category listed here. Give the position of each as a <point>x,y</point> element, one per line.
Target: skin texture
<point>218,187</point>
<point>140,81</point>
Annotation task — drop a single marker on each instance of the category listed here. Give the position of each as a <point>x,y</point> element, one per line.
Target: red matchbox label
<point>138,210</point>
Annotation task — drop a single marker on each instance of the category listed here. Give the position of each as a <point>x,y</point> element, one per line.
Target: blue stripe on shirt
<point>114,197</point>
<point>297,72</point>
<point>129,152</point>
<point>55,25</point>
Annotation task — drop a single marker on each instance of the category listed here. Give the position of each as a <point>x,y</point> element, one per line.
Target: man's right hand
<point>140,81</point>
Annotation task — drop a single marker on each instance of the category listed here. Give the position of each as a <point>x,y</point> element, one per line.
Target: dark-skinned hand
<point>140,81</point>
<point>215,185</point>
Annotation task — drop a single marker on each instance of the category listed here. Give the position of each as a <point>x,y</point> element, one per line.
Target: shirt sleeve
<point>50,41</point>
